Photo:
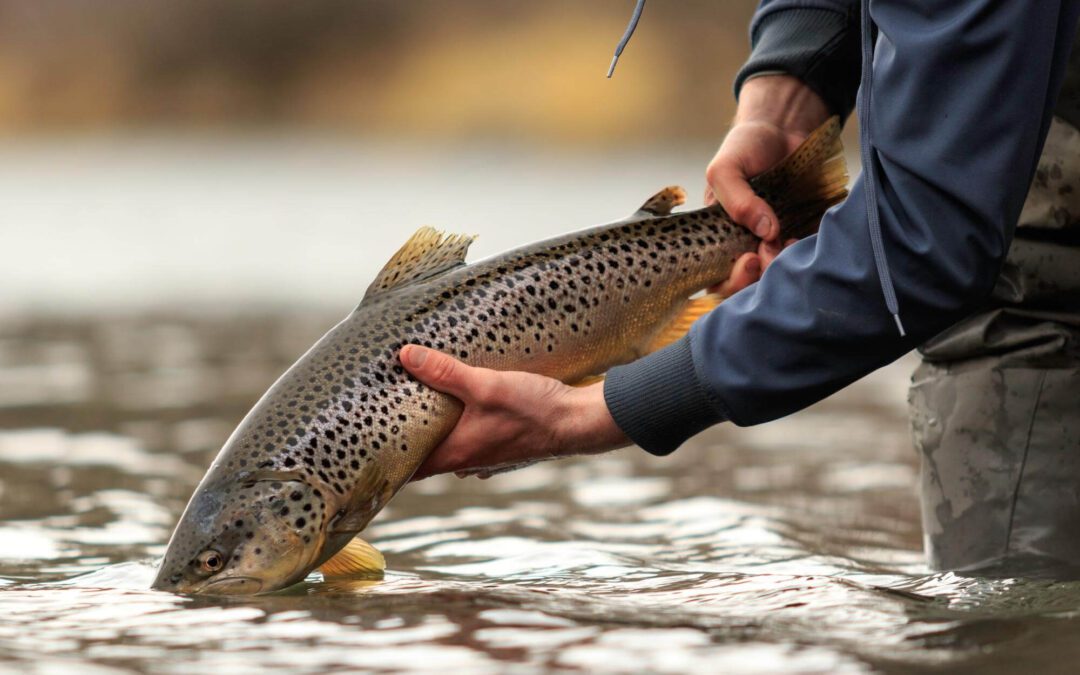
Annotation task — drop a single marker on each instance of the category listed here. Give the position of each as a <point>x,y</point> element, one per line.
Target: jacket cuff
<point>658,400</point>
<point>818,46</point>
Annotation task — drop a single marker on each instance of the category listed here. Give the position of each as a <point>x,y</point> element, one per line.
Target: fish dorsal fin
<point>661,203</point>
<point>358,558</point>
<point>426,254</point>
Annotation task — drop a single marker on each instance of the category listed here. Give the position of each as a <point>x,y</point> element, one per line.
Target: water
<point>790,547</point>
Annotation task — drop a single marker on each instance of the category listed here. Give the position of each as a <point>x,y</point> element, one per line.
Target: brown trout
<point>345,427</point>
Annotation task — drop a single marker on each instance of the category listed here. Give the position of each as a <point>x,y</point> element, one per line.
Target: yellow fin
<point>426,254</point>
<point>661,203</point>
<point>678,327</point>
<point>694,310</point>
<point>358,558</point>
<point>587,380</point>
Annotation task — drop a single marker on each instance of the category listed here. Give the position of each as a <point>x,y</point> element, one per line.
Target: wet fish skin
<point>345,427</point>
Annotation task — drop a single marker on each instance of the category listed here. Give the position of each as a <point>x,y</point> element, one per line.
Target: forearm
<point>955,163</point>
<point>816,41</point>
<point>783,101</point>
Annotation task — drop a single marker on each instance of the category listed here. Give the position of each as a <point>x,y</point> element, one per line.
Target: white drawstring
<point>870,169</point>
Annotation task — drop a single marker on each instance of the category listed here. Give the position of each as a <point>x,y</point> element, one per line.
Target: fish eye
<point>210,561</point>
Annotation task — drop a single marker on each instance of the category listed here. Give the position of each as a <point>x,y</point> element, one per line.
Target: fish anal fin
<point>693,310</point>
<point>587,380</point>
<point>357,559</point>
<point>680,325</point>
<point>661,203</point>
<point>426,254</point>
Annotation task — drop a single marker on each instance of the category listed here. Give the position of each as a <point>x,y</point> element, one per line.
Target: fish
<point>345,427</point>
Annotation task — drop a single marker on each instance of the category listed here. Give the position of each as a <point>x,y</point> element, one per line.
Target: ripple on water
<point>786,548</point>
<point>56,447</point>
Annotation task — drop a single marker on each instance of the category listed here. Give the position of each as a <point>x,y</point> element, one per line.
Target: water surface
<point>790,547</point>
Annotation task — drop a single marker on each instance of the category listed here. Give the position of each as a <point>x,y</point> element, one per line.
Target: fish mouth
<point>252,585</point>
<point>231,586</point>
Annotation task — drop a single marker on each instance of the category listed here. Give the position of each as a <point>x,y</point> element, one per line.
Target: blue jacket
<point>961,93</point>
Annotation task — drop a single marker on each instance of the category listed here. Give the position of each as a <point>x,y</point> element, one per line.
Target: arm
<point>962,99</point>
<point>804,67</point>
<point>814,41</point>
<point>958,134</point>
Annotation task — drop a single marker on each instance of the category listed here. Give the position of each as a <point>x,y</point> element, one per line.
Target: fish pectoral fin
<point>358,558</point>
<point>426,254</point>
<point>680,325</point>
<point>661,203</point>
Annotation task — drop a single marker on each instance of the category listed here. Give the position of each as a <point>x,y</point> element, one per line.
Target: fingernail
<point>762,227</point>
<point>753,266</point>
<point>417,356</point>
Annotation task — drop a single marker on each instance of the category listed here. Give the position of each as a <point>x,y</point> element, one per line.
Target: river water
<point>789,547</point>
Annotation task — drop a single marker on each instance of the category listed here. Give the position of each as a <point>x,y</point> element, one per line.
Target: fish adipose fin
<point>358,558</point>
<point>680,325</point>
<point>426,254</point>
<point>661,203</point>
<point>809,181</point>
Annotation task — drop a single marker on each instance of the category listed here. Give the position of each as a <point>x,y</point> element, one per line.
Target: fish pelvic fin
<point>357,559</point>
<point>809,181</point>
<point>661,203</point>
<point>428,253</point>
<point>680,325</point>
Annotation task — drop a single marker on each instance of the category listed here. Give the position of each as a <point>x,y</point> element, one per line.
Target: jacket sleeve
<point>816,41</point>
<point>961,103</point>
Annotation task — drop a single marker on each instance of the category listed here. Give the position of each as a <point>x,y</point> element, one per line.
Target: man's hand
<point>776,113</point>
<point>511,419</point>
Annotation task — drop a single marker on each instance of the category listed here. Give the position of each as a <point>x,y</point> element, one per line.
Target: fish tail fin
<point>809,181</point>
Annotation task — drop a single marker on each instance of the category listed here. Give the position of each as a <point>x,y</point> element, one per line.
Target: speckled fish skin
<point>345,427</point>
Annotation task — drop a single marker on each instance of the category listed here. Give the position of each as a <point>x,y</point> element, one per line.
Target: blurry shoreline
<point>420,69</point>
<point>283,221</point>
<point>267,221</point>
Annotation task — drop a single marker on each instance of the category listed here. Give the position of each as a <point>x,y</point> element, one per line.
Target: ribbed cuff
<point>818,46</point>
<point>658,401</point>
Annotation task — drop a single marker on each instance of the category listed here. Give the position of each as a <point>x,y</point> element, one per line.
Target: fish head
<point>254,534</point>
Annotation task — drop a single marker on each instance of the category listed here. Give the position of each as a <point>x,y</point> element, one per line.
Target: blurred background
<point>274,152</point>
<point>424,69</point>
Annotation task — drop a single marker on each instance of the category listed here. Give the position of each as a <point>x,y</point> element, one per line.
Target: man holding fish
<point>428,374</point>
<point>935,248</point>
